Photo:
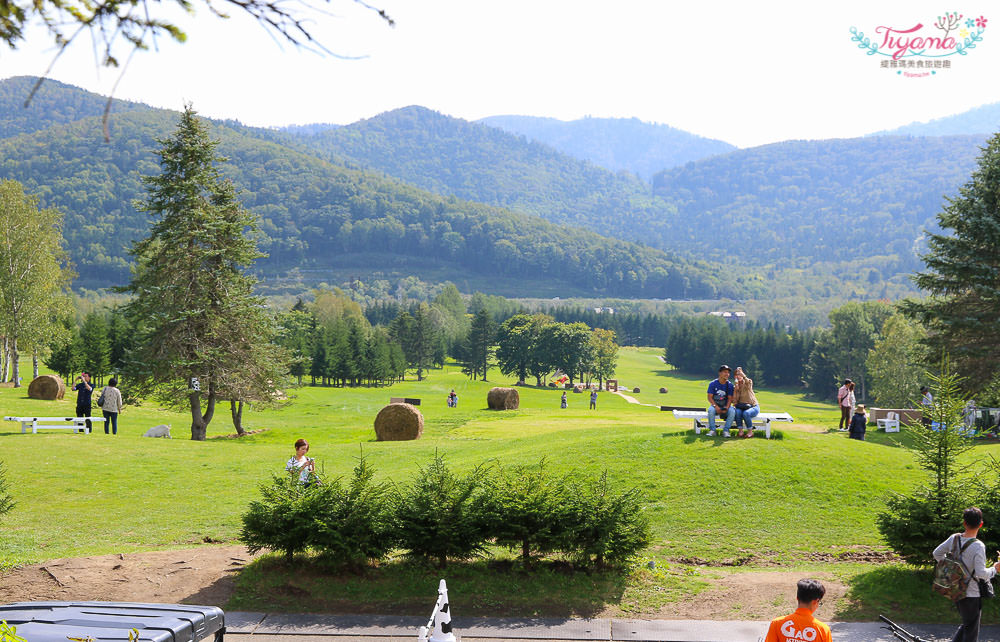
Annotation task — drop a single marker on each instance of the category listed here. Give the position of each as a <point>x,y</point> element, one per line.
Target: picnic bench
<point>68,423</point>
<point>761,422</point>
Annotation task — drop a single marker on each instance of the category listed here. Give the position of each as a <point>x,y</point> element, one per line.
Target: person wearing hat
<point>858,423</point>
<point>720,399</point>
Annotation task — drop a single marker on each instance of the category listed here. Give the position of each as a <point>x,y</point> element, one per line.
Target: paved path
<point>261,627</point>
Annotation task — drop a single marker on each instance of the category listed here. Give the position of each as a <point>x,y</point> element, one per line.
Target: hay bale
<point>636,390</point>
<point>577,389</point>
<point>663,390</point>
<point>552,384</point>
<point>503,399</point>
<point>520,383</point>
<point>48,387</point>
<point>399,422</point>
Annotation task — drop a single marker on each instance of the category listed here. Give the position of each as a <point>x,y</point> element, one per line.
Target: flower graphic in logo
<point>970,23</point>
<point>981,22</point>
<point>964,33</point>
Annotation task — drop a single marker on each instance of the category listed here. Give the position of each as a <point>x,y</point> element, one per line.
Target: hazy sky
<point>745,72</point>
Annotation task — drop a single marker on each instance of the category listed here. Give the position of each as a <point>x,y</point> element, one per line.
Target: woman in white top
<point>305,466</point>
<point>974,559</point>
<point>111,405</point>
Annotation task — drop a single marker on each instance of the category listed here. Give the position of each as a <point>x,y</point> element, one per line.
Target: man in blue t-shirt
<point>720,399</point>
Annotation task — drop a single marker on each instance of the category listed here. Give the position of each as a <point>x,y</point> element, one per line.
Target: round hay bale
<point>552,384</point>
<point>636,390</point>
<point>399,422</point>
<point>503,399</point>
<point>663,390</point>
<point>48,387</point>
<point>520,383</point>
<point>577,389</point>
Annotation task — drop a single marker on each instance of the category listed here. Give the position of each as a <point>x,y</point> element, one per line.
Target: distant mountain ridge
<point>618,144</point>
<point>861,202</point>
<point>455,157</point>
<point>320,217</point>
<point>981,120</point>
<point>54,103</point>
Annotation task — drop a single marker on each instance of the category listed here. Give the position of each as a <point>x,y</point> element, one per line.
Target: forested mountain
<point>618,144</point>
<point>54,103</point>
<point>317,216</point>
<point>981,120</point>
<point>454,157</point>
<point>862,203</point>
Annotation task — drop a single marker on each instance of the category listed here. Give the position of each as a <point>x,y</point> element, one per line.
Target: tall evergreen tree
<point>962,313</point>
<point>96,347</point>
<point>480,343</point>
<point>201,332</point>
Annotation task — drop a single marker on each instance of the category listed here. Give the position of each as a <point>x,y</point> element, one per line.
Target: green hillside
<point>455,157</point>
<point>54,103</point>
<point>983,120</point>
<point>859,205</point>
<point>618,144</point>
<point>324,219</point>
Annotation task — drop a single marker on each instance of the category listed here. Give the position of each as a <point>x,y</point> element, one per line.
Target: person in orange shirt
<point>801,626</point>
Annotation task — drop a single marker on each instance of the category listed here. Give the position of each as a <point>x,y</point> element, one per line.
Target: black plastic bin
<point>112,621</point>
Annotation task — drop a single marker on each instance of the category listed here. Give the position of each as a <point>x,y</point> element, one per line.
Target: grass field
<point>804,501</point>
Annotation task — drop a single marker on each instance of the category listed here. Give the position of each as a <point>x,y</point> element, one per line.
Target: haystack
<point>48,387</point>
<point>663,390</point>
<point>636,390</point>
<point>399,422</point>
<point>503,399</point>
<point>578,389</point>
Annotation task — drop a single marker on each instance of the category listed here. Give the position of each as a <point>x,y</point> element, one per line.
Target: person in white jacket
<point>111,405</point>
<point>974,558</point>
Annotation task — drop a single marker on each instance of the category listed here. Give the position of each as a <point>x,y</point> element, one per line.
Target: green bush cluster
<point>441,515</point>
<point>914,524</point>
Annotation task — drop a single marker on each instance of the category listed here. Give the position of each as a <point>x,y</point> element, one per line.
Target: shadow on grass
<point>902,592</point>
<point>483,588</point>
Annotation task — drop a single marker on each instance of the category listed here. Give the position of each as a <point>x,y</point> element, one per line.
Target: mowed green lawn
<point>711,501</point>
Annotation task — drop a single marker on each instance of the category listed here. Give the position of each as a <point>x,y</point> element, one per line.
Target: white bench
<point>890,423</point>
<point>68,423</point>
<point>761,421</point>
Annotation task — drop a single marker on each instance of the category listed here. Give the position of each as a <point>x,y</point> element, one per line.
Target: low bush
<point>352,527</point>
<point>440,514</point>
<point>285,517</point>
<point>601,526</point>
<point>525,509</point>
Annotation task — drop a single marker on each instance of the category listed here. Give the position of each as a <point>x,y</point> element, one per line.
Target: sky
<point>748,73</point>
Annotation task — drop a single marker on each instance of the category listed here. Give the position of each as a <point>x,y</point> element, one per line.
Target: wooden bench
<point>761,422</point>
<point>74,423</point>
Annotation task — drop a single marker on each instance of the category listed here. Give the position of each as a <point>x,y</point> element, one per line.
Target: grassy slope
<point>713,500</point>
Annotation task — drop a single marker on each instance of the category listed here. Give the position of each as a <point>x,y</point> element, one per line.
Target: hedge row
<point>441,515</point>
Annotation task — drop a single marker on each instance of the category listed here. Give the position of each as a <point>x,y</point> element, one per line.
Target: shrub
<point>913,525</point>
<point>525,509</point>
<point>6,500</point>
<point>440,515</point>
<point>285,517</point>
<point>352,526</point>
<point>601,526</point>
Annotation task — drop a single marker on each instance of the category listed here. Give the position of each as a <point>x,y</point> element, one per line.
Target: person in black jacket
<point>858,423</point>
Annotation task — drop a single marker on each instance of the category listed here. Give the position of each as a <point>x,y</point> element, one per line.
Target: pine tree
<point>962,313</point>
<point>96,347</point>
<point>202,335</point>
<point>480,343</point>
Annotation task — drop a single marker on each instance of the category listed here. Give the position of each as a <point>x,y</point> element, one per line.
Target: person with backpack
<point>970,554</point>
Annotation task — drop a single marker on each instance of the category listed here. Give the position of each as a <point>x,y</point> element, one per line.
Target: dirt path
<point>206,575</point>
<point>202,575</point>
